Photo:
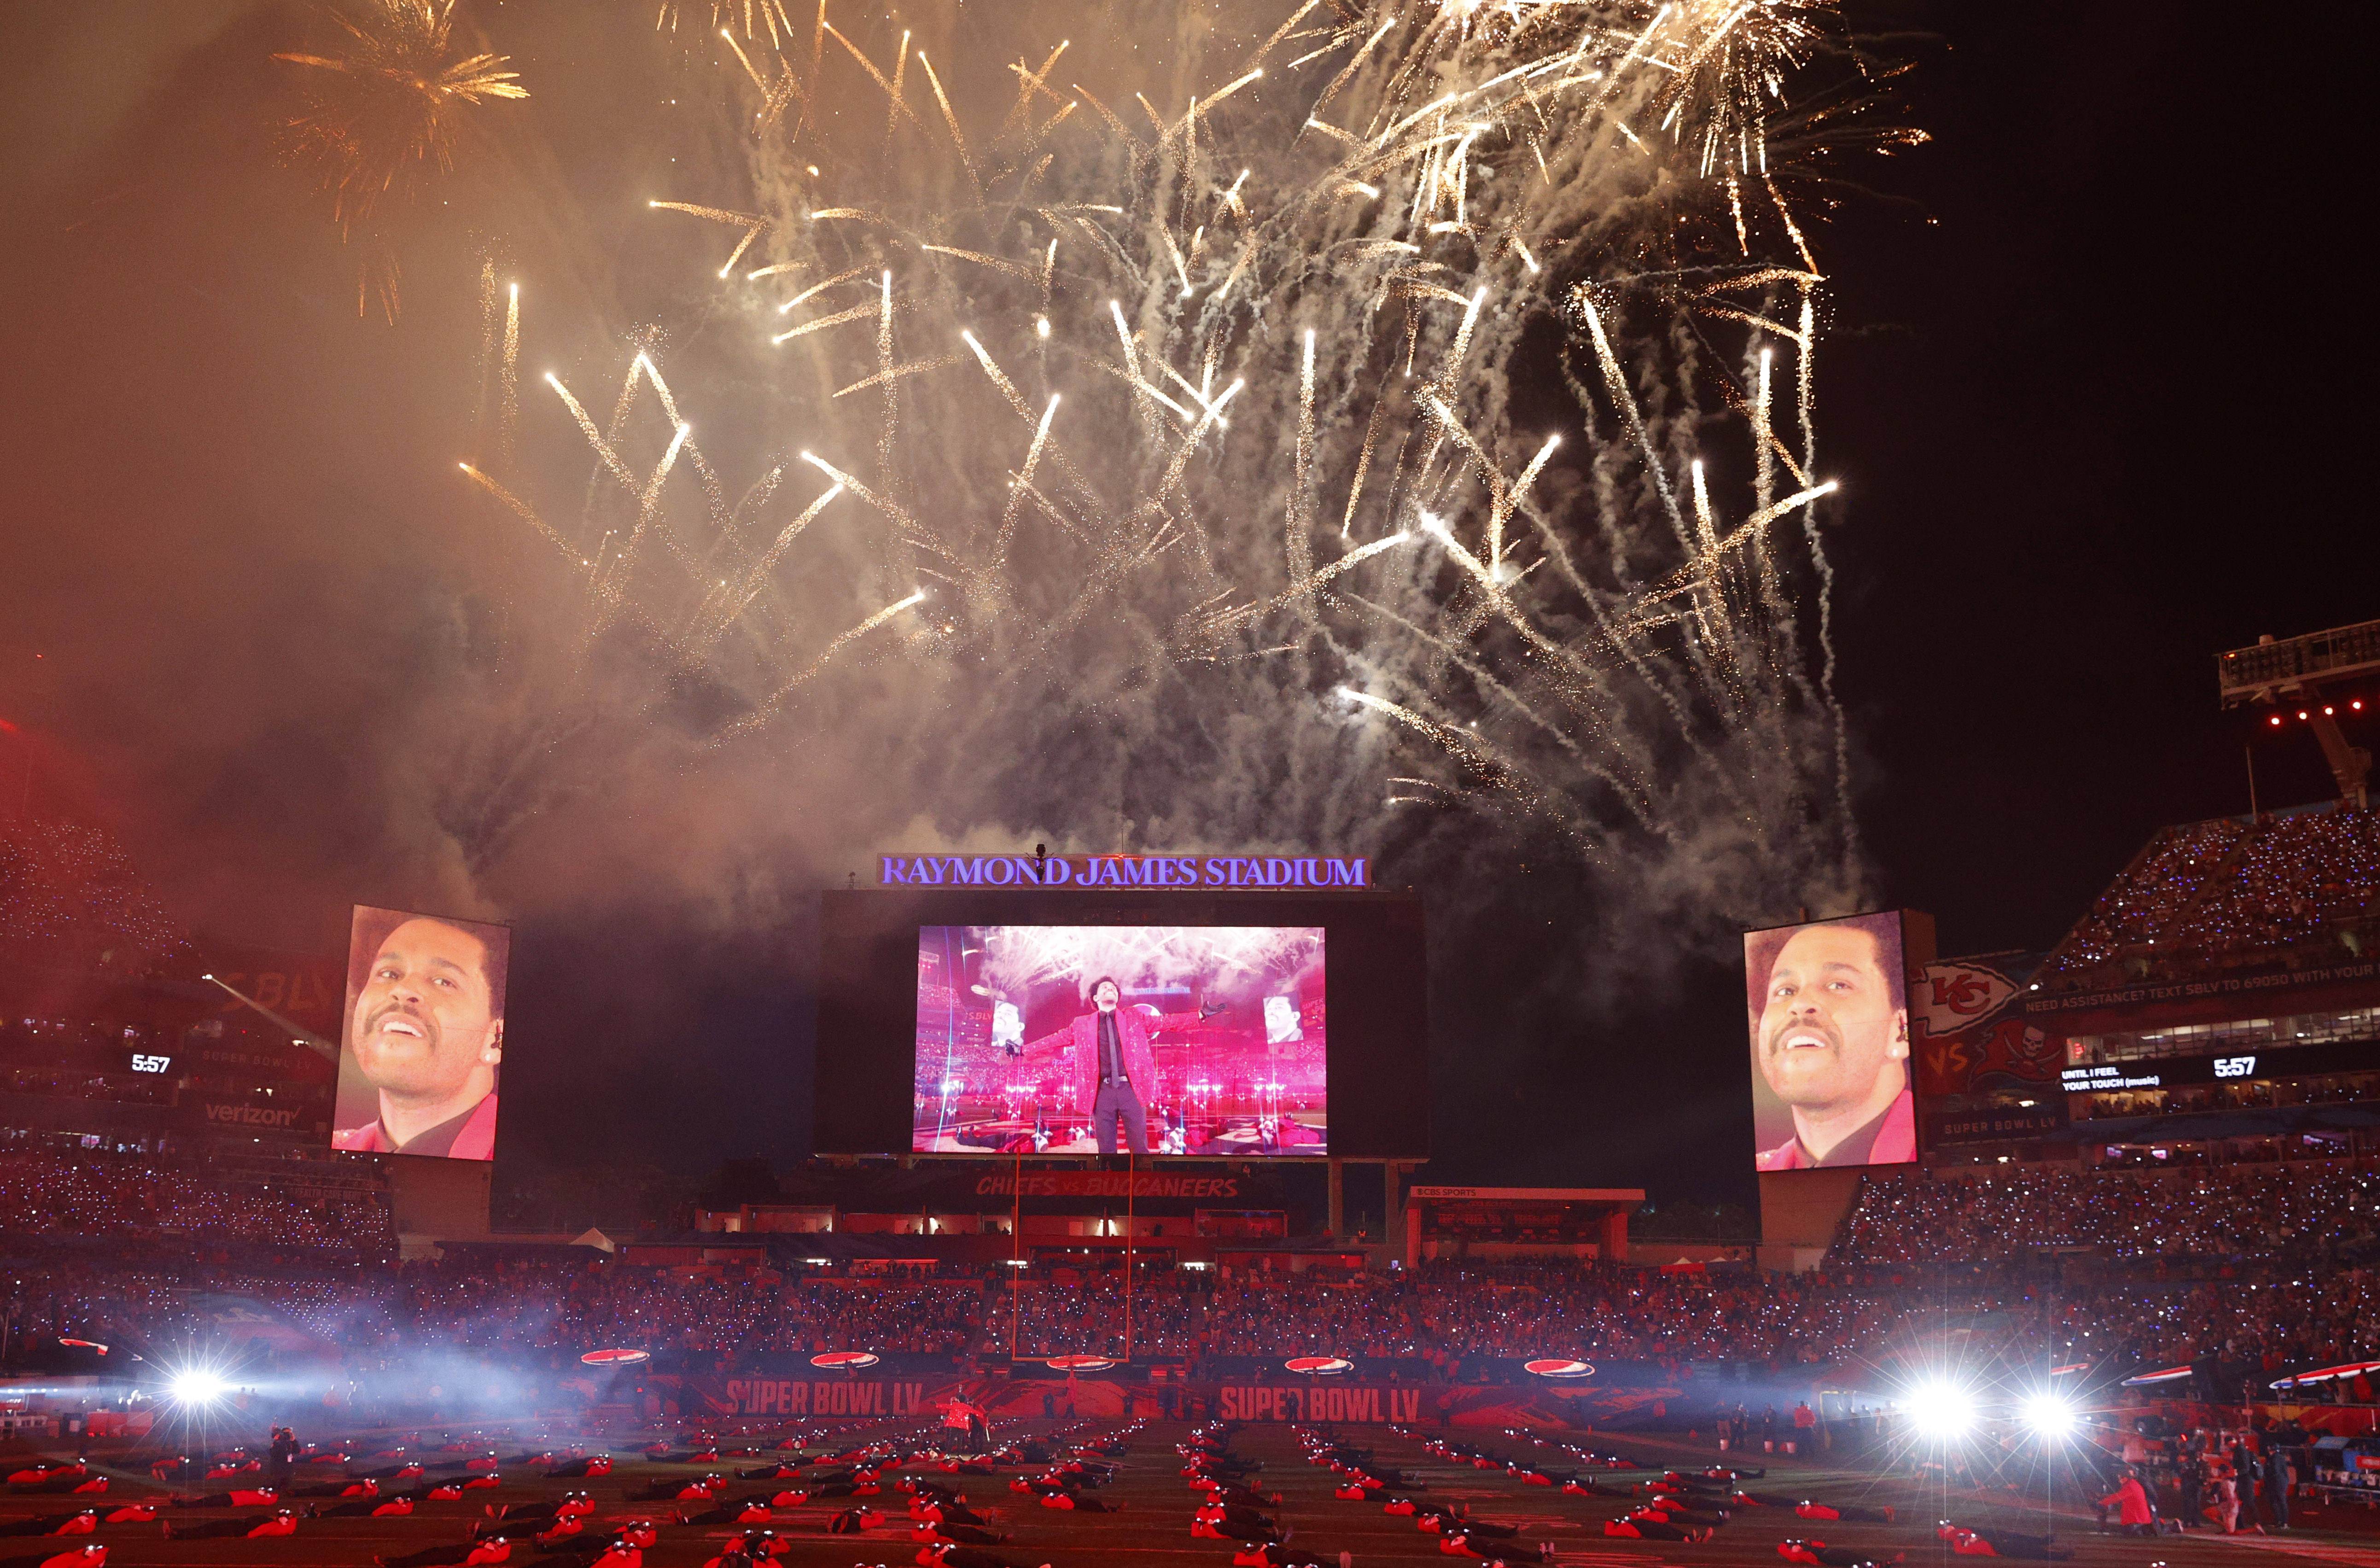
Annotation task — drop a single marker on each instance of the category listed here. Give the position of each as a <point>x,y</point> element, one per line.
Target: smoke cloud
<point>1289,566</point>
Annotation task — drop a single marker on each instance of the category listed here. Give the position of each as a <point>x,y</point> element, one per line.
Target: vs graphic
<point>1970,1035</point>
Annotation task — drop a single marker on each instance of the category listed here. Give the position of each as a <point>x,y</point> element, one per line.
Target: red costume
<point>1896,1141</point>
<point>475,1140</point>
<point>1073,1051</point>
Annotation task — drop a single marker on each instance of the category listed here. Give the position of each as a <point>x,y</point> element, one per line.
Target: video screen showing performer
<point>1156,1040</point>
<point>424,1037</point>
<point>1829,1013</point>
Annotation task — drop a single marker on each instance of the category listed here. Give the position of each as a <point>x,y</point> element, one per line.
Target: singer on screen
<point>1831,1038</point>
<point>426,1032</point>
<point>1108,1049</point>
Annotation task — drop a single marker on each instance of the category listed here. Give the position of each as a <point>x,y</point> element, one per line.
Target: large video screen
<point>423,1041</point>
<point>1153,1039</point>
<point>1828,1002</point>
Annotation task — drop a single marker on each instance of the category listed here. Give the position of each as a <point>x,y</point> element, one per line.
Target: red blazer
<point>475,1140</point>
<point>1075,1051</point>
<point>1896,1141</point>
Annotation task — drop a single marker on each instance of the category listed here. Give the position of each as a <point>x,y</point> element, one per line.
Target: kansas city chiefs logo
<point>1951,997</point>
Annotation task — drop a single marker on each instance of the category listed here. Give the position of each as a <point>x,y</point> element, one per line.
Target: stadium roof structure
<point>71,895</point>
<point>2282,890</point>
<point>2307,669</point>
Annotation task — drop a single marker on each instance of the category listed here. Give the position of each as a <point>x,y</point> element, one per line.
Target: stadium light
<point>2050,1416</point>
<point>195,1387</point>
<point>1941,1411</point>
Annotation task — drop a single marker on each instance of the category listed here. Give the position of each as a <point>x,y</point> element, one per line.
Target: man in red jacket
<point>428,1034</point>
<point>1108,1050</point>
<point>2131,1501</point>
<point>1832,1041</point>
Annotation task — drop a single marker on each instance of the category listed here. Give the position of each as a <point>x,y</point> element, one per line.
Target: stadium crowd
<point>1437,1324</point>
<point>142,1198</point>
<point>2312,1210</point>
<point>2142,902</point>
<point>2203,893</point>
<point>524,1317</point>
<point>2295,874</point>
<point>1444,1313</point>
<point>2255,1268</point>
<point>1442,1322</point>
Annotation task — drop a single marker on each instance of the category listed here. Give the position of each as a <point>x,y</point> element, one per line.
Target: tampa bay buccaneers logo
<point>2011,1052</point>
<point>2036,1047</point>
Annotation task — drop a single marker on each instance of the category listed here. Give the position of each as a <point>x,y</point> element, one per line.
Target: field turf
<point>1154,1525</point>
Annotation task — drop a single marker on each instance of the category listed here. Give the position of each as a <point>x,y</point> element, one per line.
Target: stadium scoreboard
<point>1220,1007</point>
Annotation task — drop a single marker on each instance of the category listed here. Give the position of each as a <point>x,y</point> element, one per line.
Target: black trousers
<point>1120,1101</point>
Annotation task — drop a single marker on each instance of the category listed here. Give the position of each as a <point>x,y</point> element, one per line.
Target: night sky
<point>2091,379</point>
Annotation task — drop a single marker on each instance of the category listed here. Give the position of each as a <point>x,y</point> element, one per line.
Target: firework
<point>1017,959</point>
<point>387,115</point>
<point>1187,426</point>
<point>757,20</point>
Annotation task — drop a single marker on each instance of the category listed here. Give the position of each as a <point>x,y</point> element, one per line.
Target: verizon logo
<point>251,1115</point>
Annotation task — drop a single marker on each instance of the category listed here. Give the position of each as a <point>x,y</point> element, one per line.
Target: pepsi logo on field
<point>614,1357</point>
<point>1557,1367</point>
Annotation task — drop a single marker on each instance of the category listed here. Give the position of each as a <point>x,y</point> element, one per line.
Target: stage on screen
<point>1828,1005</point>
<point>423,1042</point>
<point>1156,1040</point>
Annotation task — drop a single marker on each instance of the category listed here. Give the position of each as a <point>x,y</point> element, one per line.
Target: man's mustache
<point>428,1030</point>
<point>1776,1040</point>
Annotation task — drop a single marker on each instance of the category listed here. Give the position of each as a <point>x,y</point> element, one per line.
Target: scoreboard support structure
<point>2293,670</point>
<point>1392,1226</point>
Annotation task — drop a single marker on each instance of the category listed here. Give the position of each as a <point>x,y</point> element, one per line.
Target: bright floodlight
<point>1939,1410</point>
<point>2051,1416</point>
<point>197,1388</point>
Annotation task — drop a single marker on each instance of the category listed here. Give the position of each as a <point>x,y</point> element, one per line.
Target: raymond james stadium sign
<point>1093,872</point>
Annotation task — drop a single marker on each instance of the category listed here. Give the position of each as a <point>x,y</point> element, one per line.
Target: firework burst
<point>1231,429</point>
<point>759,21</point>
<point>387,115</point>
